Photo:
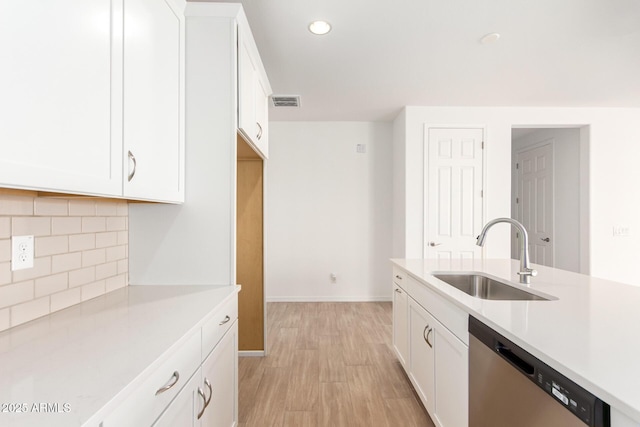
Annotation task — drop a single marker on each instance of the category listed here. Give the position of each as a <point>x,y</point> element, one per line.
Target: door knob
<point>434,244</point>
<point>546,239</point>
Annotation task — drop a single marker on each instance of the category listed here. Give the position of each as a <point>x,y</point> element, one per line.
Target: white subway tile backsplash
<point>31,310</point>
<point>106,270</point>
<point>92,290</point>
<point>16,205</point>
<point>82,207</point>
<point>81,250</point>
<point>5,273</point>
<point>51,284</point>
<point>65,299</point>
<point>43,206</point>
<point>5,227</point>
<point>116,223</point>
<point>33,225</point>
<point>116,252</point>
<point>16,293</point>
<point>5,250</point>
<point>93,257</point>
<point>116,282</point>
<point>66,225</point>
<point>94,224</point>
<point>82,276</point>
<point>106,208</point>
<point>123,209</point>
<point>51,245</point>
<point>123,266</point>
<point>104,240</point>
<point>81,242</point>
<point>66,262</point>
<point>41,268</point>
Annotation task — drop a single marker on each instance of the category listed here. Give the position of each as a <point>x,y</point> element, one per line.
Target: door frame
<point>585,183</point>
<point>514,207</point>
<point>425,175</point>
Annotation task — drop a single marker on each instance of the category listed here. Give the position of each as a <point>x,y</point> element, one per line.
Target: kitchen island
<point>588,333</point>
<point>83,365</point>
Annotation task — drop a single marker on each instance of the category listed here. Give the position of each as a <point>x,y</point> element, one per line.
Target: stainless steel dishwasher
<point>508,387</point>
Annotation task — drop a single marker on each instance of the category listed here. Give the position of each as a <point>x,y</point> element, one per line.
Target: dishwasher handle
<point>514,359</point>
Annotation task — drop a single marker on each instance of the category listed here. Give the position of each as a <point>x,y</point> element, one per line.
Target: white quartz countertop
<point>591,333</point>
<point>82,357</point>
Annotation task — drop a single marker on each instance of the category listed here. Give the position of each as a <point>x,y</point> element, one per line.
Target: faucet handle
<point>528,272</point>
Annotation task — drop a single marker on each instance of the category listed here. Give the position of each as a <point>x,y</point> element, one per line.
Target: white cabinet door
<point>220,378</point>
<point>400,325</point>
<point>153,101</point>
<point>60,102</point>
<point>262,116</point>
<point>182,412</point>
<point>253,98</point>
<point>421,354</point>
<point>451,378</point>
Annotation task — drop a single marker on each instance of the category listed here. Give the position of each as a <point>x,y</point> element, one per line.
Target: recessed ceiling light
<point>490,38</point>
<point>319,27</point>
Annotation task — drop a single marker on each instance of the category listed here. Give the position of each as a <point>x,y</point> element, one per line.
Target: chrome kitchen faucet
<point>526,271</point>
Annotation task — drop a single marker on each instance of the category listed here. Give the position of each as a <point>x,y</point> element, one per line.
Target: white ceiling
<point>382,55</point>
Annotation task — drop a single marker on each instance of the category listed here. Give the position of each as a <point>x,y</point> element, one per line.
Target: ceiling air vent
<point>285,100</point>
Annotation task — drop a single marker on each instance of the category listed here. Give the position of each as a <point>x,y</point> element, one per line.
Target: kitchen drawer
<point>144,404</point>
<point>219,323</point>
<point>399,276</point>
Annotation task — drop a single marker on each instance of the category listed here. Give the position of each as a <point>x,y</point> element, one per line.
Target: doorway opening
<point>550,193</point>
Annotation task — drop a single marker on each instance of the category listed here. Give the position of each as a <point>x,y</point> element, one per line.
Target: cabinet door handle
<point>208,384</point>
<point>135,165</point>
<point>546,239</point>
<point>259,136</point>
<point>204,399</point>
<point>424,334</point>
<point>226,319</point>
<point>427,337</point>
<point>398,290</point>
<point>399,277</point>
<point>434,244</point>
<point>175,377</point>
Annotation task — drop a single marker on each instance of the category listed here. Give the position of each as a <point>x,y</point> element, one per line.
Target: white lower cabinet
<point>220,370</point>
<point>438,360</point>
<point>421,354</point>
<point>400,318</point>
<point>196,385</point>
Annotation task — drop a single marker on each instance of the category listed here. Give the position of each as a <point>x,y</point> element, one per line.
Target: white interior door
<point>534,201</point>
<point>454,193</point>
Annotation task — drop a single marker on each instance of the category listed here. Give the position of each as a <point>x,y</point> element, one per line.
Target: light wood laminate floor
<point>328,364</point>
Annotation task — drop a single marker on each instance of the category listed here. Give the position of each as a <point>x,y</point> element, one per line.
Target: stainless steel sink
<point>480,286</point>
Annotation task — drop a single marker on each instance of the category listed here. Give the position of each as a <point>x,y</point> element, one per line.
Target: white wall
<point>614,176</point>
<point>566,194</point>
<point>328,211</point>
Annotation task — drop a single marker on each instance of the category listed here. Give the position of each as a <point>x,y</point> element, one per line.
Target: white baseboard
<point>245,353</point>
<point>328,299</point>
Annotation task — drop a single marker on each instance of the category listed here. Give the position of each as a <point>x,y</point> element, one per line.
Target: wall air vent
<point>285,100</point>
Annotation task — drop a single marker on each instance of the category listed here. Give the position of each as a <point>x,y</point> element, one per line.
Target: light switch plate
<point>21,252</point>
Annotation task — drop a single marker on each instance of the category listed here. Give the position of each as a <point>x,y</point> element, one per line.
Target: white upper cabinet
<point>61,106</point>
<point>76,80</point>
<point>253,95</point>
<point>153,101</point>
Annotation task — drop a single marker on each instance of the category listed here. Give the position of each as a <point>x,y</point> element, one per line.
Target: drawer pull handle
<point>204,399</point>
<point>259,135</point>
<point>208,384</point>
<point>176,377</point>
<point>226,319</point>
<point>399,277</point>
<point>398,290</point>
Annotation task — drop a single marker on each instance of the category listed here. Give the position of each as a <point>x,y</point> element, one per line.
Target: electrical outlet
<point>334,278</point>
<point>21,252</point>
<point>621,231</point>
